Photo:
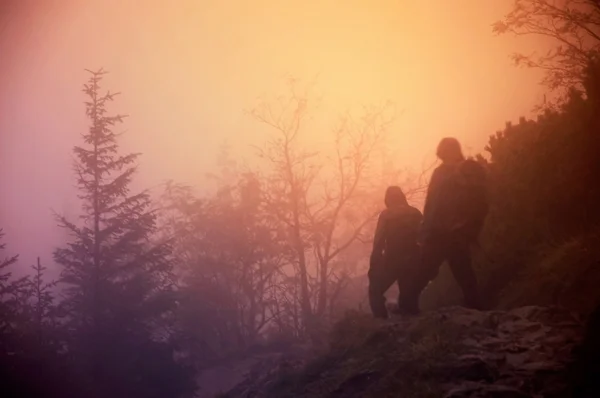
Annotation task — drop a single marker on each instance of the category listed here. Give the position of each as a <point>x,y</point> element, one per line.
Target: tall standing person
<point>455,209</point>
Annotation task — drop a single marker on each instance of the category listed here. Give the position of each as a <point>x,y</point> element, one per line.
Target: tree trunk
<point>323,279</point>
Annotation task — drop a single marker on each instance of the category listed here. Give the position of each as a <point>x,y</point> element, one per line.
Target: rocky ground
<point>452,353</point>
<point>235,374</point>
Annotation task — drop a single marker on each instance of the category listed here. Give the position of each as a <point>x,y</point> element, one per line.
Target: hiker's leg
<point>432,256</point>
<point>406,280</point>
<point>408,301</point>
<point>459,260</point>
<point>380,280</point>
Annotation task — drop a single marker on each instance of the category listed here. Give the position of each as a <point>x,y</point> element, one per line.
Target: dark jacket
<point>456,201</point>
<point>396,235</point>
<point>437,209</point>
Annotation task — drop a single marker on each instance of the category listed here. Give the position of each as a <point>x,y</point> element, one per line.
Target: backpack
<point>469,198</point>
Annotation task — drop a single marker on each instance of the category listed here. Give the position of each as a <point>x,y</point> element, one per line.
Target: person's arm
<point>378,240</point>
<point>417,222</point>
<point>432,189</point>
<point>431,202</point>
<point>418,218</point>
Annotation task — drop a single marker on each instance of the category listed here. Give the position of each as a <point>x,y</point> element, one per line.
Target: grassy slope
<point>523,352</point>
<point>371,359</point>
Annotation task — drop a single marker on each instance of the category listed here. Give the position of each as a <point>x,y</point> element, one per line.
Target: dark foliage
<point>538,244</point>
<point>544,187</point>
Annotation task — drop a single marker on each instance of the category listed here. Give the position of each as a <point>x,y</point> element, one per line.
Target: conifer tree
<point>117,283</point>
<point>42,299</point>
<point>8,292</point>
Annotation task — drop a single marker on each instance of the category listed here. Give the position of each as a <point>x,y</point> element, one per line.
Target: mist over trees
<point>276,248</point>
<point>151,292</point>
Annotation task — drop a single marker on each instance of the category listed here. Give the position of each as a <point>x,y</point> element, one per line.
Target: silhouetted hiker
<point>455,209</point>
<point>395,253</point>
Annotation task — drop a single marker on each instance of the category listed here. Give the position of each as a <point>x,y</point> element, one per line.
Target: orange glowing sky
<point>189,69</point>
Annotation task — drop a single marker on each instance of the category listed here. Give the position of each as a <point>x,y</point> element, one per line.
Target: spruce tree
<point>41,294</point>
<point>117,283</point>
<point>9,290</point>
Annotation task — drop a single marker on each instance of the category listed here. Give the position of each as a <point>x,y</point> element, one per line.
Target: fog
<point>189,71</point>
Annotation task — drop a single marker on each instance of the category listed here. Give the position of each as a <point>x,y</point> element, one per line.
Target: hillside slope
<point>453,352</point>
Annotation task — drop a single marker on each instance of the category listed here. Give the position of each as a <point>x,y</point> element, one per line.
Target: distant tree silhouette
<point>118,285</point>
<point>229,257</point>
<point>9,294</point>
<point>30,361</point>
<point>8,287</point>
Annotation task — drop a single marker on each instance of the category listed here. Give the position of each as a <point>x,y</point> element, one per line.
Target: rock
<point>472,367</point>
<point>475,390</point>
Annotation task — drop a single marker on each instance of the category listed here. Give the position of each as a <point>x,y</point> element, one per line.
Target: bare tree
<point>573,24</point>
<point>325,203</point>
<point>265,255</point>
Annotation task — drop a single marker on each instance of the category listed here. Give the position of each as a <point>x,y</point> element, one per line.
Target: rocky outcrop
<point>453,353</point>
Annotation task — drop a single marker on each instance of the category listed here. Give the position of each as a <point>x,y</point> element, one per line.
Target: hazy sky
<point>189,69</point>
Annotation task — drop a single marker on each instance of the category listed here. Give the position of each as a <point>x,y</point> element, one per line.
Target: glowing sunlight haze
<point>189,72</point>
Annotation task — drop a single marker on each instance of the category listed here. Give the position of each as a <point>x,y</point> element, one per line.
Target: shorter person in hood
<point>395,253</point>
